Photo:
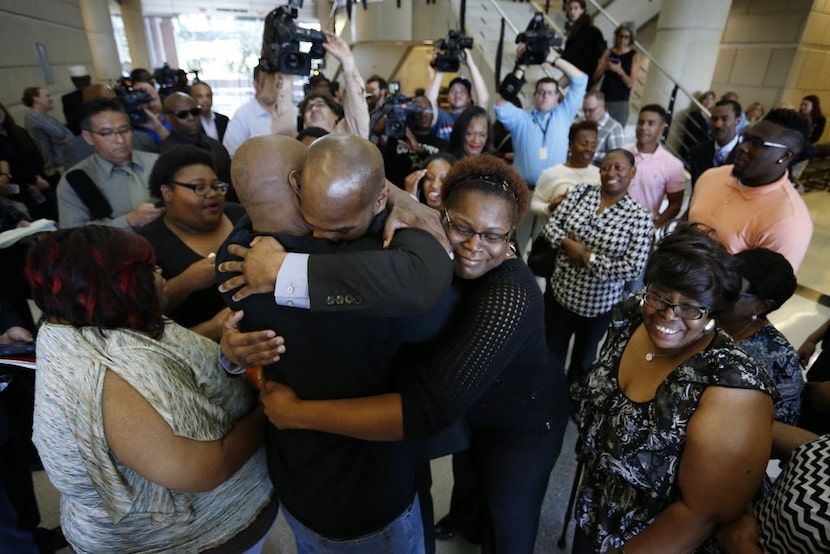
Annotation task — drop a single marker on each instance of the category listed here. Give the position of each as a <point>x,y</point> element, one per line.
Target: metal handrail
<point>657,64</point>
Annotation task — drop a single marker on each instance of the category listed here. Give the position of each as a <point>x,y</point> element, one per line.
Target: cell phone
<point>615,59</point>
<point>17,348</point>
<point>14,189</point>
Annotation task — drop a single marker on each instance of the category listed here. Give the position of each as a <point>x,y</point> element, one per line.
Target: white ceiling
<point>249,8</point>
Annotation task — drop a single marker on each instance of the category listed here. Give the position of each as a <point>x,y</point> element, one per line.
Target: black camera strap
<point>89,193</point>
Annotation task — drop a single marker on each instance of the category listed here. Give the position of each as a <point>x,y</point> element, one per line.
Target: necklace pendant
<point>649,356</point>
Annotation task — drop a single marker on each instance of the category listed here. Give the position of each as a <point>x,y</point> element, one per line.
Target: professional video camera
<point>448,51</point>
<point>538,38</point>
<point>281,42</point>
<point>399,112</point>
<point>167,77</point>
<point>134,100</point>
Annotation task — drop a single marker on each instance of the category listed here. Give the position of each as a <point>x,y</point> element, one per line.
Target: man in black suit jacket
<point>213,123</point>
<point>333,486</point>
<point>721,149</point>
<point>73,101</point>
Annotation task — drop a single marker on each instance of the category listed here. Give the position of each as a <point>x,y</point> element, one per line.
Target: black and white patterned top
<point>631,450</point>
<point>620,237</point>
<point>795,515</point>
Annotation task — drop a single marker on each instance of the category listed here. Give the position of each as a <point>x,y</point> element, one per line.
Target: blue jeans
<point>404,535</point>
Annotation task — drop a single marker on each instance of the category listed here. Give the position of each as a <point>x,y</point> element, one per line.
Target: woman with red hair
<point>150,445</point>
<point>811,109</point>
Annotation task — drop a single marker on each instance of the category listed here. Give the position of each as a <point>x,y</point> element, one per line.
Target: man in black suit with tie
<point>721,148</point>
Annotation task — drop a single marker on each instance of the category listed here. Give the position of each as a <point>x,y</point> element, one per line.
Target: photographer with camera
<point>270,111</point>
<point>540,136</point>
<point>154,124</point>
<point>406,141</point>
<point>459,96</point>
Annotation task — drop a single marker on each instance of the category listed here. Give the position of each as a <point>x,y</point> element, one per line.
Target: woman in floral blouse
<point>675,420</point>
<point>768,282</point>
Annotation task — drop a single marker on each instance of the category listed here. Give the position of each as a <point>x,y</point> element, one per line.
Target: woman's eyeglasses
<point>683,311</point>
<point>182,114</point>
<point>204,189</point>
<point>467,232</point>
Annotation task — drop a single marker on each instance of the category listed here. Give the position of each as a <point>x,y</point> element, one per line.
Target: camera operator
<point>402,155</point>
<point>459,96</point>
<point>270,111</point>
<point>540,136</point>
<point>354,119</point>
<point>156,126</point>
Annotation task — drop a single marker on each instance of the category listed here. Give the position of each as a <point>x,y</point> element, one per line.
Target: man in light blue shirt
<point>540,136</point>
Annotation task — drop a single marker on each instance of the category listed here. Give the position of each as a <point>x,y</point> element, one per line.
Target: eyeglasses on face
<point>109,133</point>
<point>467,232</point>
<point>545,92</point>
<point>683,311</point>
<point>757,142</point>
<point>182,114</point>
<point>203,189</point>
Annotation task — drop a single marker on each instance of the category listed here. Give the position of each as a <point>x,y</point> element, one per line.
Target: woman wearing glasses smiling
<point>675,420</point>
<point>489,365</point>
<point>196,222</point>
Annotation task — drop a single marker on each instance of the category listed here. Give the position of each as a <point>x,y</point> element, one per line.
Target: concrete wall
<point>59,26</point>
<point>776,51</point>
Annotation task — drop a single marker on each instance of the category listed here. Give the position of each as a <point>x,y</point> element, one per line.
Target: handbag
<point>542,257</point>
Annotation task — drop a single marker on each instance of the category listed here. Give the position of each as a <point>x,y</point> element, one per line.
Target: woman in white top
<point>558,180</point>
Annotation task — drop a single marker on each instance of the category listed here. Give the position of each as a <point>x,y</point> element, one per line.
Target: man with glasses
<point>540,136</point>
<point>185,119</point>
<point>109,187</point>
<point>610,134</point>
<point>722,147</point>
<point>753,203</point>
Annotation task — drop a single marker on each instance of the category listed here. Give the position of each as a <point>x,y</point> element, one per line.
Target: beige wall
<point>776,51</point>
<point>59,26</point>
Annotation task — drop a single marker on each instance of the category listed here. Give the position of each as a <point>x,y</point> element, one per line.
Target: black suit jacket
<point>221,124</point>
<point>73,104</point>
<point>340,354</point>
<point>702,157</point>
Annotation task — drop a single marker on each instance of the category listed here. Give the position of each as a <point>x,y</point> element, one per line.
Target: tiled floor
<point>796,319</point>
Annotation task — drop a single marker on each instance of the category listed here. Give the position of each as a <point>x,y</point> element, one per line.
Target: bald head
<point>261,171</point>
<point>343,186</point>
<point>93,92</point>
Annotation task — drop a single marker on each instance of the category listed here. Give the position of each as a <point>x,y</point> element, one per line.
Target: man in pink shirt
<point>659,173</point>
<point>752,203</point>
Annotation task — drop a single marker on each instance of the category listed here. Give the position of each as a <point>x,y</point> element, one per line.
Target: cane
<point>577,477</point>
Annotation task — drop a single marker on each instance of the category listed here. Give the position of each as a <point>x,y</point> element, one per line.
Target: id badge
<point>543,153</point>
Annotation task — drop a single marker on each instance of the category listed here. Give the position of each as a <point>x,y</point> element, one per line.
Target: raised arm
<point>482,92</point>
<point>355,109</point>
<point>432,94</point>
<point>720,470</point>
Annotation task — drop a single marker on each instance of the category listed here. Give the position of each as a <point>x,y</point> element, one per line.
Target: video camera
<point>538,38</point>
<point>399,111</point>
<point>134,100</point>
<point>448,51</point>
<point>281,42</point>
<point>166,77</point>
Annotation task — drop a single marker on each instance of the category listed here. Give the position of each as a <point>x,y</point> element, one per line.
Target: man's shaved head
<point>260,170</point>
<point>343,186</point>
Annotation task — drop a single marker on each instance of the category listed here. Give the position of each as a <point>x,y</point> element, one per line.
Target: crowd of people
<point>368,276</point>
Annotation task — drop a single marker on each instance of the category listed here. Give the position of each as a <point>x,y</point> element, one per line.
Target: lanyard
<point>545,130</point>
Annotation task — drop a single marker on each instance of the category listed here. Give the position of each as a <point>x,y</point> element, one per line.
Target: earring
<point>710,326</point>
<point>780,161</point>
<point>754,317</point>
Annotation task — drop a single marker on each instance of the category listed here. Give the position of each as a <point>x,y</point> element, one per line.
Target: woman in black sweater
<point>489,365</point>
